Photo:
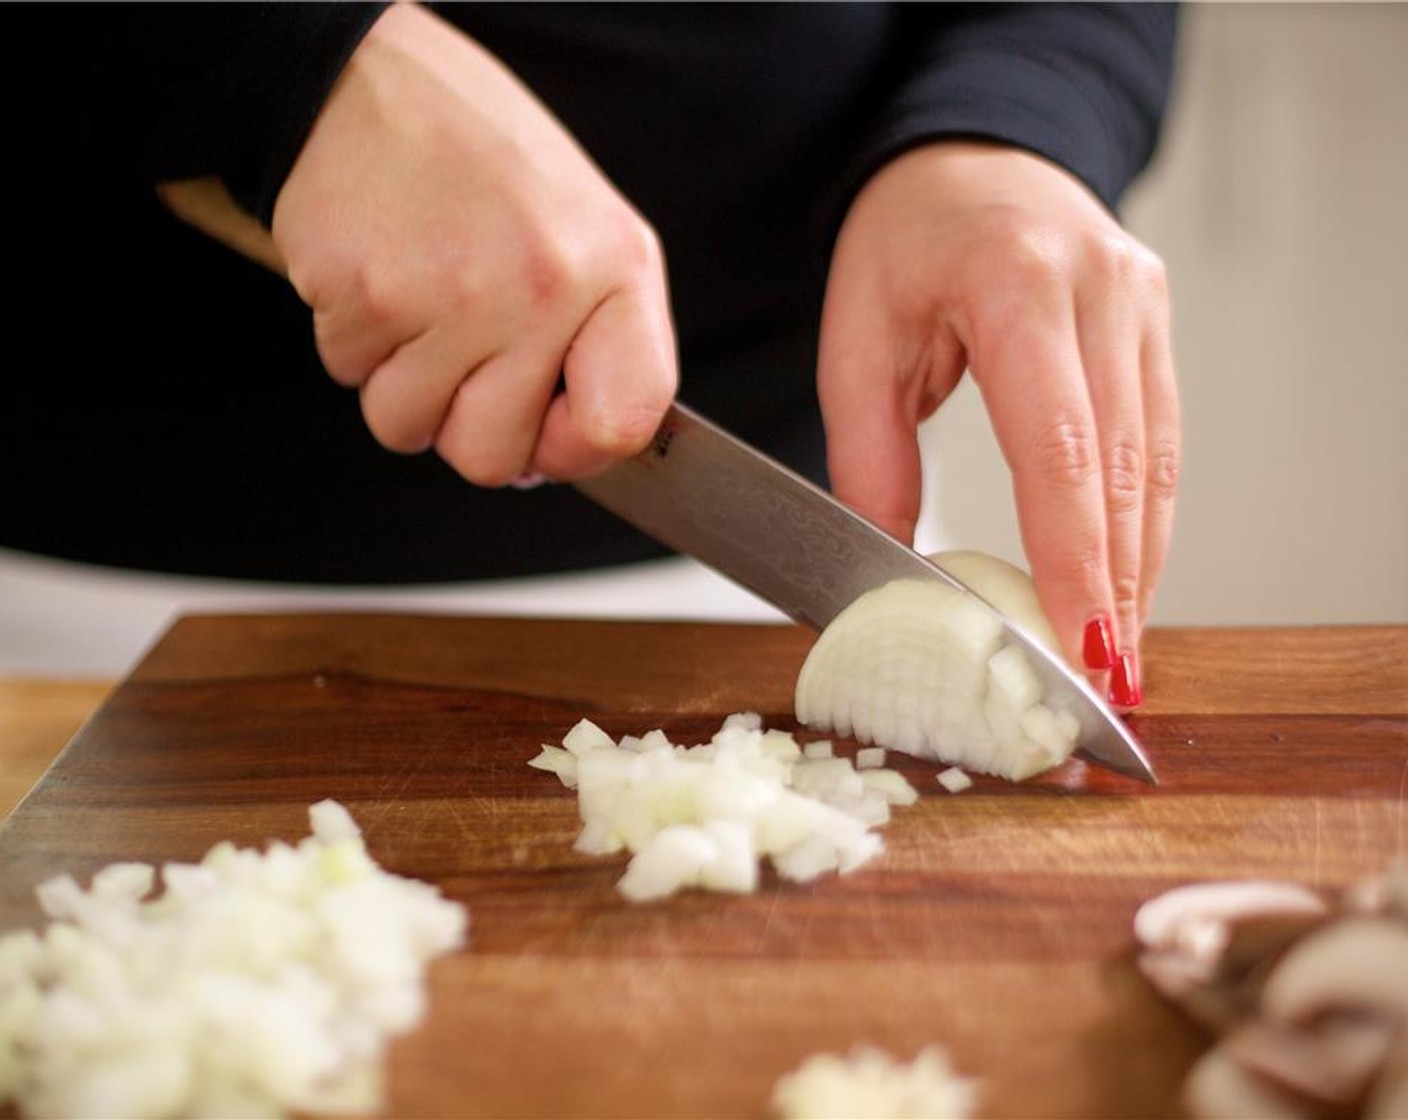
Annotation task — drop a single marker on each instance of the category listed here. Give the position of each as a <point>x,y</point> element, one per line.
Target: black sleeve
<point>170,91</point>
<point>1084,85</point>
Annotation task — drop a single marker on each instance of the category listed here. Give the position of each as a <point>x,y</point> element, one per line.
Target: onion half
<point>923,668</point>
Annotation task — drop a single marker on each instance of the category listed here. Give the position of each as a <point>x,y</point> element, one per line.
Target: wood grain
<point>997,923</point>
<point>37,717</point>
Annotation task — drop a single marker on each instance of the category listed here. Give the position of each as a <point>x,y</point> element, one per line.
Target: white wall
<point>1279,202</point>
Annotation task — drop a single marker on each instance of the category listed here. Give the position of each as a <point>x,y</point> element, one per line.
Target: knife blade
<point>703,492</point>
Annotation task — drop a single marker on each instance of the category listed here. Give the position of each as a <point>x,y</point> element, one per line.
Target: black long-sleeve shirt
<point>165,408</point>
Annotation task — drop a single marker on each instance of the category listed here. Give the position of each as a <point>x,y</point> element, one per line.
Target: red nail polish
<point>1099,643</point>
<point>1124,681</point>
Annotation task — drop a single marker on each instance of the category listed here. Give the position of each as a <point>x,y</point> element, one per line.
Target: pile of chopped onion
<point>924,668</point>
<point>254,984</point>
<point>870,1085</point>
<point>703,816</point>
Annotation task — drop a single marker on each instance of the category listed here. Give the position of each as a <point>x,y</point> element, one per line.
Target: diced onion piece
<point>703,816</point>
<point>256,984</point>
<point>734,867</point>
<point>870,758</point>
<point>827,779</point>
<point>780,745</point>
<point>955,780</point>
<point>870,1084</point>
<point>556,760</point>
<point>893,786</point>
<point>743,721</point>
<point>598,837</point>
<point>923,668</point>
<point>805,861</point>
<point>821,748</point>
<point>587,736</point>
<point>332,823</point>
<point>671,859</point>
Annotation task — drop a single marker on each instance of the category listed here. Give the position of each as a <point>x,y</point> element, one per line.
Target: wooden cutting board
<point>997,923</point>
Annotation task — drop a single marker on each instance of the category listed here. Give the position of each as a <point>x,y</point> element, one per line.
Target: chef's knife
<point>704,493</point>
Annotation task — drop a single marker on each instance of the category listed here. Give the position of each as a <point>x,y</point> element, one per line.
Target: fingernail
<point>1124,681</point>
<point>528,480</point>
<point>1099,645</point>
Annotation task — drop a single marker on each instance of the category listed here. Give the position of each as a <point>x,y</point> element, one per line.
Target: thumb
<point>876,382</point>
<point>620,374</point>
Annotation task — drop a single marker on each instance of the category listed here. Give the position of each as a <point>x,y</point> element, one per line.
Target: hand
<point>971,255</point>
<point>460,252</point>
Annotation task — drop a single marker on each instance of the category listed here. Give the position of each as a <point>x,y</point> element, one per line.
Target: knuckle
<point>1152,270</point>
<point>466,289</point>
<point>1126,590</point>
<point>559,269</point>
<point>1163,469</point>
<point>341,366</point>
<point>372,296</point>
<point>392,432</point>
<point>637,247</point>
<point>476,463</point>
<point>1124,469</point>
<point>1112,255</point>
<point>551,270</point>
<point>1065,453</point>
<point>629,428</point>
<point>1081,566</point>
<point>1036,257</point>
<point>304,279</point>
<point>1120,261</point>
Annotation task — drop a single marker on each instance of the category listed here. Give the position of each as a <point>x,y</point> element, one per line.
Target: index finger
<point>1032,384</point>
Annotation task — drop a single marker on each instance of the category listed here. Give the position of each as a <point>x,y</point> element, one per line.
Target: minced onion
<point>955,780</point>
<point>924,668</point>
<point>871,1085</point>
<point>254,984</point>
<point>704,816</point>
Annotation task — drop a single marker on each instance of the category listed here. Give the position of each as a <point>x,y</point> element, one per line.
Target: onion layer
<point>923,668</point>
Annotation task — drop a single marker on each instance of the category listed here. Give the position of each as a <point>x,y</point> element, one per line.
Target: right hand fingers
<point>1032,380</point>
<point>461,253</point>
<point>620,374</point>
<point>497,419</point>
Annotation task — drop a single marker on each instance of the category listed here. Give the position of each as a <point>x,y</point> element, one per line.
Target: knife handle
<point>207,205</point>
